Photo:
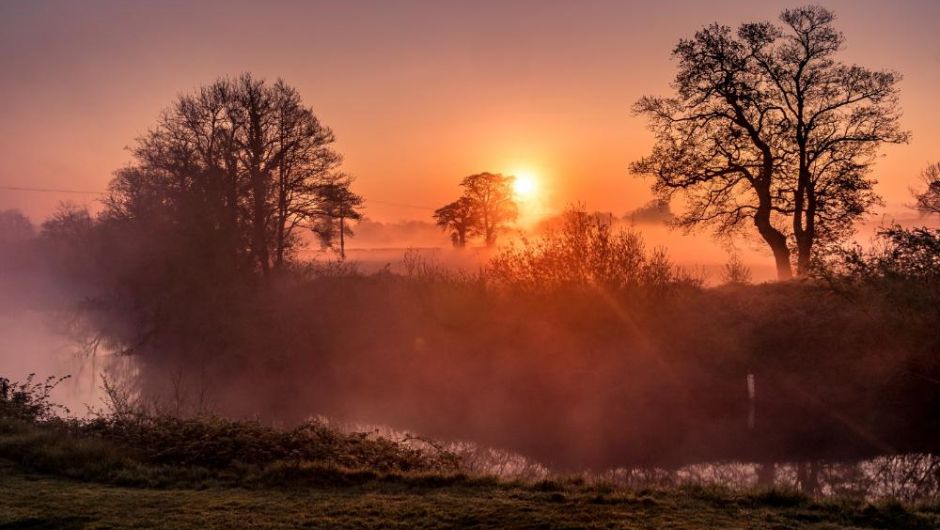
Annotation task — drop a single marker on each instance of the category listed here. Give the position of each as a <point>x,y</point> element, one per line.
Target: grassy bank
<point>29,500</point>
<point>57,477</point>
<point>139,470</point>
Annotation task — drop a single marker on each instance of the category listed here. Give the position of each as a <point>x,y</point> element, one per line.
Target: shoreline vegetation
<point>119,468</point>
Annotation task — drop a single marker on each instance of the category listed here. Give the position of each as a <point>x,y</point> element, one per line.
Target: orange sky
<point>419,94</point>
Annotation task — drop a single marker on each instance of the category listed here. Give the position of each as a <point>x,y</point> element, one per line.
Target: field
<point>29,500</point>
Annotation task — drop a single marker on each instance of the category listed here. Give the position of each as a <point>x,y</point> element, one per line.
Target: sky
<point>419,93</point>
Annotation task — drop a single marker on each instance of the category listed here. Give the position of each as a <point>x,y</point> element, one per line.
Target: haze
<point>419,94</point>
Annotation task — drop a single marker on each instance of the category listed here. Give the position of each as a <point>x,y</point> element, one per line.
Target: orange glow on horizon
<point>418,97</point>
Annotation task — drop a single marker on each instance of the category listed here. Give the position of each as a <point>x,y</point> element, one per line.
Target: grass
<point>160,472</point>
<point>31,500</point>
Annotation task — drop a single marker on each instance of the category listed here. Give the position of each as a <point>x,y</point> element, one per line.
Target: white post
<point>750,399</point>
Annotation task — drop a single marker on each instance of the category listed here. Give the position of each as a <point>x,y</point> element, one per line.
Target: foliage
<point>236,166</point>
<point>485,209</point>
<point>736,271</point>
<point>900,253</point>
<point>217,443</point>
<point>928,198</point>
<point>128,443</point>
<point>338,205</point>
<point>460,218</point>
<point>29,400</point>
<point>585,251</point>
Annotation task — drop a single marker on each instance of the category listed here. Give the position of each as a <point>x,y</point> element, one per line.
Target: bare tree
<point>928,199</point>
<point>460,218</point>
<point>838,116</point>
<point>337,204</point>
<point>491,196</point>
<point>241,158</point>
<point>768,127</point>
<point>718,142</point>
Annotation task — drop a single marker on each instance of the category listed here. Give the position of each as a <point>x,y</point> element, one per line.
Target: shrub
<point>29,400</point>
<point>585,251</point>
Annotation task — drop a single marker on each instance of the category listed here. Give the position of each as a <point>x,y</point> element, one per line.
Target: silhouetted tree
<point>16,237</point>
<point>928,199</point>
<point>15,227</point>
<point>66,239</point>
<point>240,159</point>
<point>338,203</point>
<point>492,198</point>
<point>767,126</point>
<point>460,218</point>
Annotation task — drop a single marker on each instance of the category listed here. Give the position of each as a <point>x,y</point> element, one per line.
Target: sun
<point>526,185</point>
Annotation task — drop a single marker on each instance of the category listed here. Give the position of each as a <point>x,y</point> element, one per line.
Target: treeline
<point>580,347</point>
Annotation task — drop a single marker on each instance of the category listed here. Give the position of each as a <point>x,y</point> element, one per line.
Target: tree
<point>768,126</point>
<point>16,237</point>
<point>491,196</point>
<point>337,204</point>
<point>239,161</point>
<point>928,199</point>
<point>736,272</point>
<point>15,228</point>
<point>460,218</point>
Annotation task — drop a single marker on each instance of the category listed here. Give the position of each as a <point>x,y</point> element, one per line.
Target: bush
<point>585,252</point>
<point>131,447</point>
<point>29,400</point>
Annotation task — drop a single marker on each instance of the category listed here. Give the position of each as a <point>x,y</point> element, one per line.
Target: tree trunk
<point>804,254</point>
<point>342,239</point>
<point>807,237</point>
<point>774,238</point>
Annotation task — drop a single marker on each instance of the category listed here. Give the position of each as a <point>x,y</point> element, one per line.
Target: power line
<point>90,192</point>
<point>51,190</point>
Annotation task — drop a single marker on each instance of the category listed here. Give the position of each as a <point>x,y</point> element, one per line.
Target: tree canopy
<point>767,126</point>
<point>928,198</point>
<point>241,161</point>
<point>486,208</point>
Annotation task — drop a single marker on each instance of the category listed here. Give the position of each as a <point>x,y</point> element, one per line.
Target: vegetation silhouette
<point>767,126</point>
<point>577,346</point>
<point>928,198</point>
<point>485,209</point>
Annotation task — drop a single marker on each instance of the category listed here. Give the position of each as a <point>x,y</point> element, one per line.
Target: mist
<point>615,356</point>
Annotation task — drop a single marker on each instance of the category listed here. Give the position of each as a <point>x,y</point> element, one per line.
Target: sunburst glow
<point>525,185</point>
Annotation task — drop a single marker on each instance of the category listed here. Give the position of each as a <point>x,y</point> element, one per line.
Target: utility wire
<point>51,190</point>
<point>90,192</point>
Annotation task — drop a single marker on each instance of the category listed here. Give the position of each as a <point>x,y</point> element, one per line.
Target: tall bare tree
<point>838,115</point>
<point>768,126</point>
<point>928,198</point>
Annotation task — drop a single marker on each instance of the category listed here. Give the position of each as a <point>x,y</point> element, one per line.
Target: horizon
<point>411,119</point>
